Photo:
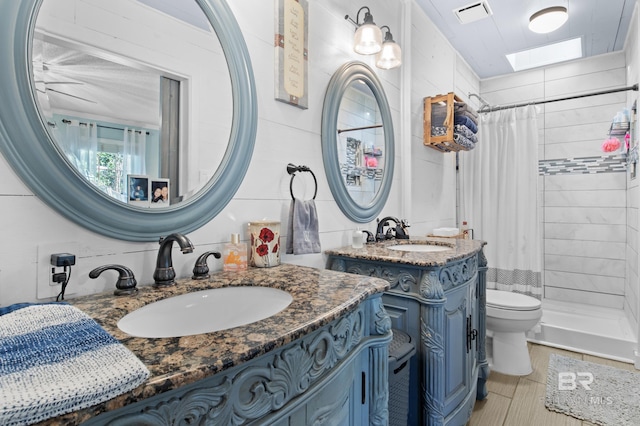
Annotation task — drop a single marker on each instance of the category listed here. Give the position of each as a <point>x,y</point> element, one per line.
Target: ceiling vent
<point>473,12</point>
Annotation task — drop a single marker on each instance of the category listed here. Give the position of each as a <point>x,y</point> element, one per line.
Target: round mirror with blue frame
<point>357,141</point>
<point>28,147</point>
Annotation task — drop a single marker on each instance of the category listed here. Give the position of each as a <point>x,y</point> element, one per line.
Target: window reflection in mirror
<point>130,89</point>
<point>360,143</point>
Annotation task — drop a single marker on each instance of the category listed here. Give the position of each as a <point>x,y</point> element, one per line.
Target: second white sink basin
<point>423,248</point>
<point>205,311</point>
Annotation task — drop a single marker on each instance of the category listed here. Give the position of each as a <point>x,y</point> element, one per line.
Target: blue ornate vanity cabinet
<point>439,299</point>
<point>321,360</point>
<point>335,375</point>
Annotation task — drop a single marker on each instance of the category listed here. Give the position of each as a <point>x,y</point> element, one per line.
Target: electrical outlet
<point>63,259</point>
<point>48,287</point>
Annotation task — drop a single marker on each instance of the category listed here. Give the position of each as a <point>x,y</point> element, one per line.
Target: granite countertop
<point>459,249</point>
<point>319,297</point>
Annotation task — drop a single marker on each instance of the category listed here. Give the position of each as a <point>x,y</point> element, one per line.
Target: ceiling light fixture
<point>368,37</point>
<point>548,20</point>
<point>391,55</point>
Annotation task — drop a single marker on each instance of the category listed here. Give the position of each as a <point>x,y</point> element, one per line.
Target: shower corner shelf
<point>433,120</point>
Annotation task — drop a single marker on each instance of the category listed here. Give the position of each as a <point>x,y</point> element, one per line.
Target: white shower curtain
<point>499,194</point>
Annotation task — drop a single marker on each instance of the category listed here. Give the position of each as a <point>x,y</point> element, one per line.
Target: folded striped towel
<point>55,359</point>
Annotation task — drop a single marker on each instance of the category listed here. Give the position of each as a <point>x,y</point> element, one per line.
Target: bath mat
<point>600,394</point>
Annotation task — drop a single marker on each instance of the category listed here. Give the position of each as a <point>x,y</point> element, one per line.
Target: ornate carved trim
<point>482,260</point>
<point>265,386</point>
<point>430,287</point>
<point>338,264</point>
<point>324,415</point>
<point>458,273</point>
<point>405,280</point>
<point>378,410</point>
<point>433,374</point>
<point>380,317</point>
<point>395,276</point>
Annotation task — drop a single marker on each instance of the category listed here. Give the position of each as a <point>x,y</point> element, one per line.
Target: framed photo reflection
<point>138,190</point>
<point>159,190</point>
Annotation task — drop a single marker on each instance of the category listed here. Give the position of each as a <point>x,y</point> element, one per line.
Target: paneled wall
<point>433,176</point>
<point>583,196</point>
<point>423,188</point>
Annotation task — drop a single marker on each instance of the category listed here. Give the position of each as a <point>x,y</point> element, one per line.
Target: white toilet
<point>509,317</point>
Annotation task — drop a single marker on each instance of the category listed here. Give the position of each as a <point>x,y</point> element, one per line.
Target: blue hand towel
<point>303,228</point>
<point>55,359</point>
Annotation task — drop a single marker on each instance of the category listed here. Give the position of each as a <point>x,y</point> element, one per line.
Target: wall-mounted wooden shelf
<point>438,113</point>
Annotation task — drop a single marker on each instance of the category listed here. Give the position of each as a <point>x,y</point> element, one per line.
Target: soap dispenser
<point>234,255</point>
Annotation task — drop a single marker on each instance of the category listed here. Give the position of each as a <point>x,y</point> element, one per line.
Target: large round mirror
<point>357,141</point>
<point>133,118</point>
<point>145,119</point>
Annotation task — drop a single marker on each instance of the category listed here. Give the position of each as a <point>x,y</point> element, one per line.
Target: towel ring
<point>292,169</point>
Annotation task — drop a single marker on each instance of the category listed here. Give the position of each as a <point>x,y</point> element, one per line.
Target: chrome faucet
<point>399,232</point>
<point>164,274</point>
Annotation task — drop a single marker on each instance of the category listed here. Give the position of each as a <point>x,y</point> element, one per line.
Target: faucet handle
<point>201,269</point>
<point>370,237</point>
<point>126,283</point>
<point>401,230</point>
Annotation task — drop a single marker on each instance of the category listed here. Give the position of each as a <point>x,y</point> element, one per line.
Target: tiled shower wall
<point>582,190</point>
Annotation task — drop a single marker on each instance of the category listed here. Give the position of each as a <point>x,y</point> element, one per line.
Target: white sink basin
<point>205,311</point>
<point>423,248</point>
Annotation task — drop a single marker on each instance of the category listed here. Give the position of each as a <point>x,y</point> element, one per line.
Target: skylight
<point>546,55</point>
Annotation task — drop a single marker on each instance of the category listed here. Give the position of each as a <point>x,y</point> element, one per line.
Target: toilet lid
<point>513,301</point>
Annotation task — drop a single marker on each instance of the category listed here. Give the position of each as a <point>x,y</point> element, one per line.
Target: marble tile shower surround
<point>584,229</point>
<point>585,216</point>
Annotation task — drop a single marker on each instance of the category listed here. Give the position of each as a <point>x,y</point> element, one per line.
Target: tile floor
<point>519,401</point>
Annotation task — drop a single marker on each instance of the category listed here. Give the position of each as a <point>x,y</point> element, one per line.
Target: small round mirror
<point>357,141</point>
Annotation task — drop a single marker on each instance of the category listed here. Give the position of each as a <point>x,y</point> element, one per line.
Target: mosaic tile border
<point>583,165</point>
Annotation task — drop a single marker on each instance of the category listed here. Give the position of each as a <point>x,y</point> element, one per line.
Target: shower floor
<point>587,329</point>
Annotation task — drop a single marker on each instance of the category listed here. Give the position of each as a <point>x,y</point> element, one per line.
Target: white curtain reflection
<point>80,143</point>
<point>135,149</point>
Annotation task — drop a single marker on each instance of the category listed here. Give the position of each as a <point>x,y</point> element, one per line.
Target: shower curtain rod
<point>373,126</point>
<point>488,108</point>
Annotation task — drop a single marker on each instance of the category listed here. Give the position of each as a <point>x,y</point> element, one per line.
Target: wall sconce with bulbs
<point>391,55</point>
<point>368,41</point>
